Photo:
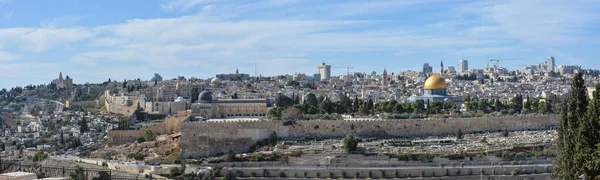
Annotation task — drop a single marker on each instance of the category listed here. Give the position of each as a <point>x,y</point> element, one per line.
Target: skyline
<point>202,38</point>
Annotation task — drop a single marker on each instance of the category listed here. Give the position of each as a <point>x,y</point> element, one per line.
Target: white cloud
<point>62,21</point>
<point>41,39</point>
<point>4,56</point>
<point>544,23</point>
<point>483,50</point>
<point>182,5</point>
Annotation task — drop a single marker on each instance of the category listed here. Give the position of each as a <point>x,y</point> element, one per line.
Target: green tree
<point>283,101</point>
<point>350,143</point>
<point>569,165</point>
<point>527,105</point>
<point>149,135</point>
<point>40,156</point>
<point>355,104</point>
<point>273,138</point>
<point>542,107</point>
<point>83,126</point>
<point>102,175</point>
<point>517,103</point>
<point>418,106</point>
<point>459,134</point>
<point>370,107</point>
<point>345,102</point>
<point>311,100</point>
<point>79,174</point>
<point>275,112</point>
<point>229,157</point>
<point>587,139</point>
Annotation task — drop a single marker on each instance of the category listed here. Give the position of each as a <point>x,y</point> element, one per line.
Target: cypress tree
<point>572,116</point>
<point>588,139</point>
<point>527,105</point>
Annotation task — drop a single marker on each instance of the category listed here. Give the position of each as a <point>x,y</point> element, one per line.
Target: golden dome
<point>435,82</point>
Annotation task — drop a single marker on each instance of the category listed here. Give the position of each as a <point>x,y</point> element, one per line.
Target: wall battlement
<point>203,139</point>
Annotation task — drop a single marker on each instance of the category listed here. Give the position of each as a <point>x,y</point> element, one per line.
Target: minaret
<point>363,92</point>
<point>60,81</point>
<point>441,67</point>
<point>384,78</point>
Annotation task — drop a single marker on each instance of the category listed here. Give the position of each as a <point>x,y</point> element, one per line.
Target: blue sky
<point>92,41</point>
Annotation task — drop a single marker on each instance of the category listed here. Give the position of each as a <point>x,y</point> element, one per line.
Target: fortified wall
<point>169,126</point>
<point>203,139</point>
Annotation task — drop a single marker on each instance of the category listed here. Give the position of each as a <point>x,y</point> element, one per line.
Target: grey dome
<point>205,97</point>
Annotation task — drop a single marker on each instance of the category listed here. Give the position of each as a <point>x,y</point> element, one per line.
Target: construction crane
<point>347,68</point>
<point>498,61</point>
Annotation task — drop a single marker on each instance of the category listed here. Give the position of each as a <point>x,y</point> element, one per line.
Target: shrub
<point>296,153</point>
<point>136,156</point>
<point>141,139</point>
<point>514,172</point>
<point>350,143</point>
<point>281,174</point>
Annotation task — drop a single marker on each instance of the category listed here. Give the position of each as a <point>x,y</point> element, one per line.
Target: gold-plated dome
<point>435,82</point>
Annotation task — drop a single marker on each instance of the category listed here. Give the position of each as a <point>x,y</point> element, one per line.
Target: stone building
<point>62,83</point>
<point>170,108</point>
<point>209,108</point>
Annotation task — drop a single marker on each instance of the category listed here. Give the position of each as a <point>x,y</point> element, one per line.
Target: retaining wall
<point>204,139</point>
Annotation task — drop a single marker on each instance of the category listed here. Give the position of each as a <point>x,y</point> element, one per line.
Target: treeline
<point>314,107</point>
<point>516,105</point>
<point>291,108</point>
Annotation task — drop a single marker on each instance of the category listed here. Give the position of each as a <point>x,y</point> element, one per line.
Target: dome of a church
<point>435,82</point>
<point>215,80</point>
<point>205,97</point>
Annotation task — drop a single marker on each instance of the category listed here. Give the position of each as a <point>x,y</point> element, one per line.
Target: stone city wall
<point>118,137</point>
<point>91,104</point>
<point>123,110</point>
<point>171,125</point>
<point>203,139</point>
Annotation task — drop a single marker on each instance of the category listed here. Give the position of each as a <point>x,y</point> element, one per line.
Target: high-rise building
<point>550,66</point>
<point>463,66</point>
<point>427,68</point>
<point>325,71</point>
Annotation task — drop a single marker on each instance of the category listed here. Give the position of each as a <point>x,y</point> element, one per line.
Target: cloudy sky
<point>92,41</point>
